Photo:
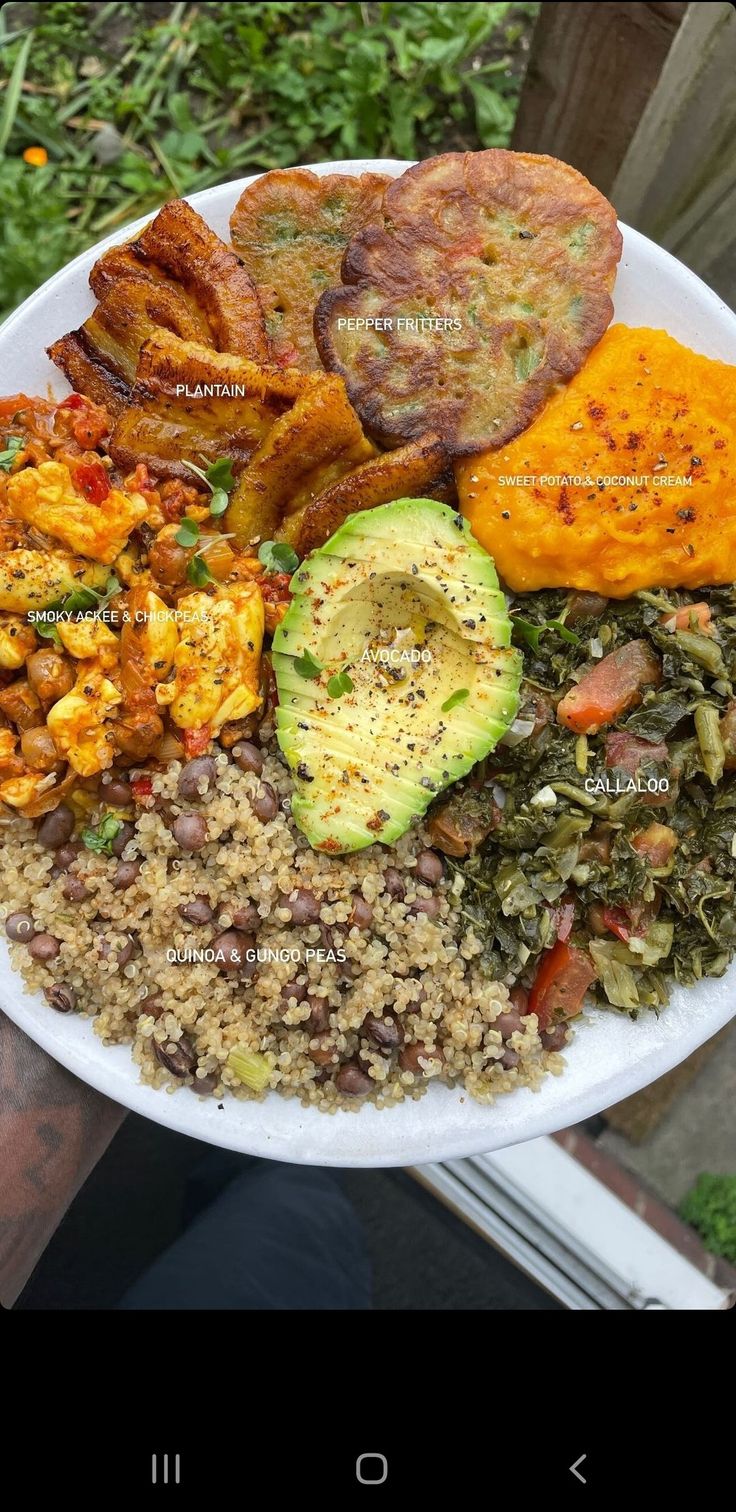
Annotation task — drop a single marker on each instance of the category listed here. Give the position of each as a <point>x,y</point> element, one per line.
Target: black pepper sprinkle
<point>696,462</point>
<point>304,773</point>
<point>302,724</point>
<point>505,514</point>
<point>415,569</point>
<point>383,816</point>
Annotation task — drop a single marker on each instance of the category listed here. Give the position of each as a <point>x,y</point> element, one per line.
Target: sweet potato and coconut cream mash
<point>626,481</point>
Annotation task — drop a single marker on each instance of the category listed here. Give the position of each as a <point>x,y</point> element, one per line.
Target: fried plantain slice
<point>181,243</point>
<point>309,447</point>
<point>190,402</point>
<point>100,358</point>
<point>421,469</point>
<point>291,228</point>
<point>177,275</point>
<point>488,286</point>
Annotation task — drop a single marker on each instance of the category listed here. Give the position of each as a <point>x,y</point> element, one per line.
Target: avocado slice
<point>404,600</point>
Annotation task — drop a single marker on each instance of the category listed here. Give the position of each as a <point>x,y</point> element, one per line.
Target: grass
<point>133,104</point>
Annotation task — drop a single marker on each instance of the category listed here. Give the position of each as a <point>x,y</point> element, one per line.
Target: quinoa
<point>420,975</point>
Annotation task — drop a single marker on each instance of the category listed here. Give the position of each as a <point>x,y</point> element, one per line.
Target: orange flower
<point>36,156</point>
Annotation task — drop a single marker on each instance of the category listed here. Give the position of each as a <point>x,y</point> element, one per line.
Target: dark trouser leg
<point>277,1236</point>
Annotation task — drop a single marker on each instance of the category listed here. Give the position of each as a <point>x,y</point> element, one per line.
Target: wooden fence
<point>642,99</point>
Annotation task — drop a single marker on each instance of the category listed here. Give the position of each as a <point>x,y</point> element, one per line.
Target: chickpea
<point>50,674</point>
<point>38,749</point>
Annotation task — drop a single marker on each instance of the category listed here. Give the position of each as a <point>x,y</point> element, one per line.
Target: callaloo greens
<point>619,839</point>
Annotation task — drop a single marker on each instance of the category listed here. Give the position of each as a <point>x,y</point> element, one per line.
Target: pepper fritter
<point>488,286</point>
<point>291,228</point>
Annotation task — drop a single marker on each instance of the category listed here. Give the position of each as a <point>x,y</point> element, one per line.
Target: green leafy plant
<point>188,532</point>
<point>307,665</point>
<point>199,573</point>
<point>458,697</point>
<point>277,556</point>
<point>341,683</point>
<point>220,480</point>
<point>710,1206</point>
<point>101,837</point>
<point>14,444</point>
<point>133,108</point>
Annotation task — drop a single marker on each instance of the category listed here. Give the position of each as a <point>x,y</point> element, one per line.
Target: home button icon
<point>371,1469</point>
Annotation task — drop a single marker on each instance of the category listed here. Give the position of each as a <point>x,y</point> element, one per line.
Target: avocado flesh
<point>407,579</point>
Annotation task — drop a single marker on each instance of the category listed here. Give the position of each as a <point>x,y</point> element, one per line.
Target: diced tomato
<point>633,921</point>
<point>681,620</point>
<point>563,918</point>
<point>195,742</point>
<point>657,843</point>
<point>611,687</point>
<point>630,753</point>
<point>596,846</point>
<point>12,404</point>
<point>274,587</point>
<point>142,787</point>
<point>563,977</point>
<point>92,481</point>
<point>617,922</point>
<point>91,421</point>
<point>89,430</point>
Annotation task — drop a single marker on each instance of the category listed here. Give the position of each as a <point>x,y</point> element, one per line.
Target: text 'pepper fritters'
<point>488,286</point>
<point>291,228</point>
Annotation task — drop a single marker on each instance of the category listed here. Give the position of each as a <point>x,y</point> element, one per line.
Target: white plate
<point>610,1057</point>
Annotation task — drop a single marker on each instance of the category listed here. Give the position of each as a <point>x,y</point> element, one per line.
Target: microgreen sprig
<point>100,839</point>
<point>276,556</point>
<point>341,683</point>
<point>13,445</point>
<point>220,480</point>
